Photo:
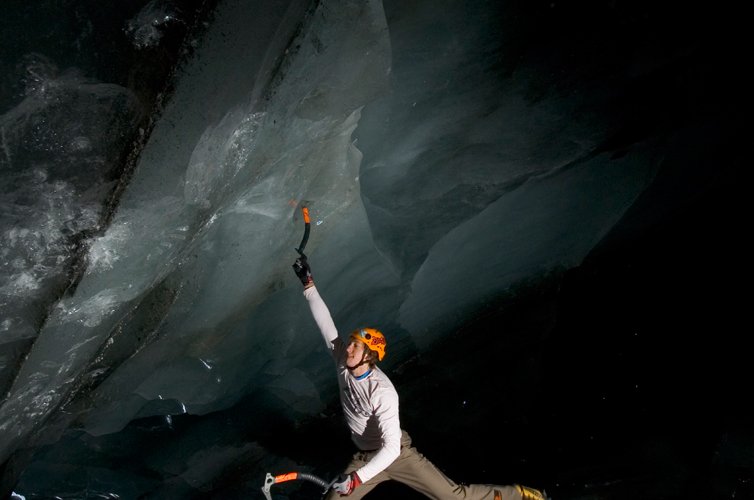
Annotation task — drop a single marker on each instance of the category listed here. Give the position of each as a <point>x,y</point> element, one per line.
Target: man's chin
<point>353,366</point>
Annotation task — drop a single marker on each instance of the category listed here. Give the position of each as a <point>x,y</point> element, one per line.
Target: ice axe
<point>269,480</point>
<point>307,228</point>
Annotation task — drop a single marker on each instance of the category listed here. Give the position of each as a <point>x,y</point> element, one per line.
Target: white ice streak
<point>71,351</point>
<point>103,253</point>
<point>34,244</point>
<point>21,282</point>
<point>256,201</point>
<point>146,28</point>
<point>220,153</point>
<point>92,311</point>
<point>139,248</point>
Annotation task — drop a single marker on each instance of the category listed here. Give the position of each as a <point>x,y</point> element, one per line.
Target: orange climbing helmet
<point>373,338</point>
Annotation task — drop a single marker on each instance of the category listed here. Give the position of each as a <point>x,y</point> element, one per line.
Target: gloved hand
<point>346,483</point>
<point>302,270</point>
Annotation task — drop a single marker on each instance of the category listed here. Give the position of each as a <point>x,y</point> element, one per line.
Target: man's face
<point>355,352</point>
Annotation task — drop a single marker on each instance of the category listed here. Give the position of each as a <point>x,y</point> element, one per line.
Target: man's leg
<point>414,470</point>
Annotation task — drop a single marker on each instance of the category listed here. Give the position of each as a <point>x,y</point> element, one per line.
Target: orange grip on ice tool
<point>286,477</point>
<point>269,480</point>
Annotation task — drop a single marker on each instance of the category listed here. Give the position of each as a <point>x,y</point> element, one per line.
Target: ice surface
<point>485,255</point>
<point>213,207</point>
<point>55,179</point>
<point>209,232</point>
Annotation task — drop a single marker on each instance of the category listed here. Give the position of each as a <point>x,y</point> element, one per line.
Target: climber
<point>370,406</point>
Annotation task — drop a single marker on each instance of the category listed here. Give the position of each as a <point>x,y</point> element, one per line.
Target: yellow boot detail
<point>530,493</point>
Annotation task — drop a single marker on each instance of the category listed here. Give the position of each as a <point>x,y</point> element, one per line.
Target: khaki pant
<point>412,469</point>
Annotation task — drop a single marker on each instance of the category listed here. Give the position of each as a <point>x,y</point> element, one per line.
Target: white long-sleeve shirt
<point>370,405</point>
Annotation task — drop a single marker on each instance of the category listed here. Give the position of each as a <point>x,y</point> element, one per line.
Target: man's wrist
<point>356,480</point>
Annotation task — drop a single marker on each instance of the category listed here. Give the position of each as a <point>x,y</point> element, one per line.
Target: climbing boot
<point>530,493</point>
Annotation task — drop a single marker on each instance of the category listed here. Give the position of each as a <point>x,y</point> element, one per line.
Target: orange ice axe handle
<point>269,480</point>
<point>307,228</point>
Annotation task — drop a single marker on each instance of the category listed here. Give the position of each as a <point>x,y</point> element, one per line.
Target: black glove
<point>302,270</point>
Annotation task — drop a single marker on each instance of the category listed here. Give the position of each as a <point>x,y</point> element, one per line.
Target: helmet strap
<point>363,361</point>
